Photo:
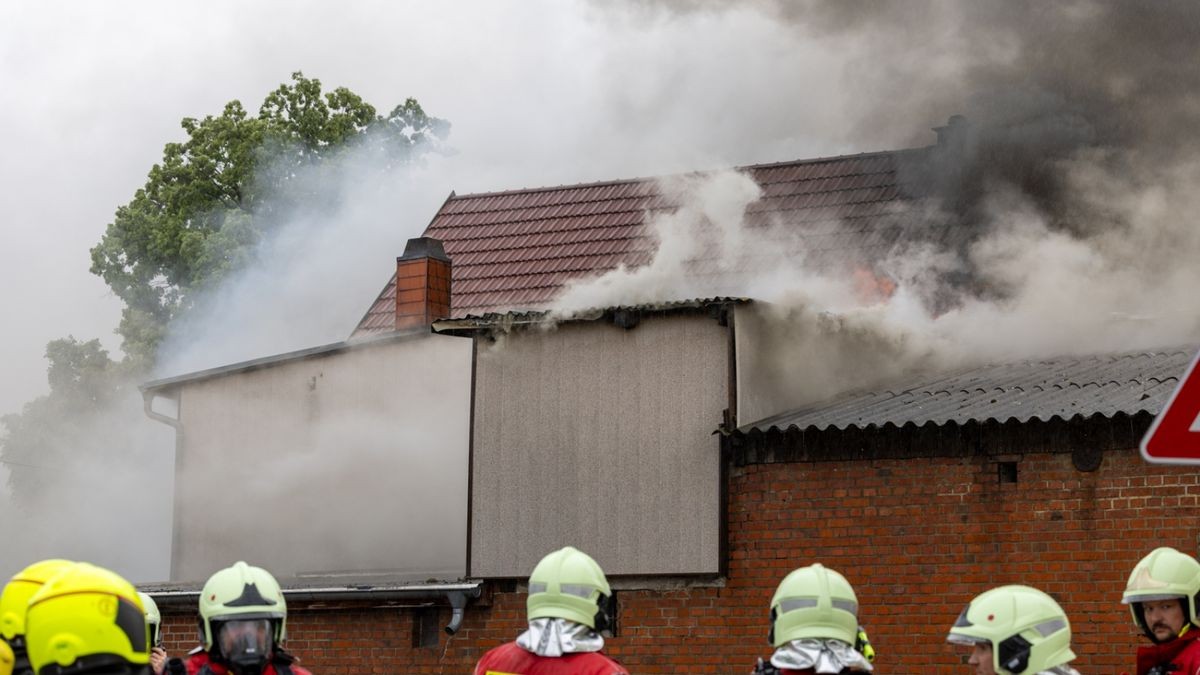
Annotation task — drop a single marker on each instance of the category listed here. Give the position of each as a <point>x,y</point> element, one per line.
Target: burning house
<point>641,371</point>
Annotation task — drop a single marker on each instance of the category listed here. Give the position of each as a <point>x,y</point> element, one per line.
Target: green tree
<point>214,196</point>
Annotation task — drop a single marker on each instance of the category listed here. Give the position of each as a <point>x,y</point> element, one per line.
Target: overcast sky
<point>538,93</point>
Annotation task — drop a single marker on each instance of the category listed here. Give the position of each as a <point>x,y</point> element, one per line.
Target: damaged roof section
<point>517,250</point>
<point>625,316</point>
<point>1064,388</point>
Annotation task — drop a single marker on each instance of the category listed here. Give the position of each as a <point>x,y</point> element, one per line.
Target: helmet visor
<point>958,637</point>
<point>245,641</point>
<point>1150,597</point>
<point>969,640</point>
<point>578,590</point>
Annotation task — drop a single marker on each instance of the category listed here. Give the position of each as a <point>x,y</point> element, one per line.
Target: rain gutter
<point>457,596</point>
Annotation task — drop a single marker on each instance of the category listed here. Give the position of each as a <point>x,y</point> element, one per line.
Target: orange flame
<point>871,288</point>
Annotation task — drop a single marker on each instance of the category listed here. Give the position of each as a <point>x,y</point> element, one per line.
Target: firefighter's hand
<point>158,660</point>
<point>765,668</point>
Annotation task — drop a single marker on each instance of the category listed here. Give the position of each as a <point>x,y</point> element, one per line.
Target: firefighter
<point>87,620</point>
<point>814,626</point>
<point>243,624</point>
<point>569,604</point>
<point>158,655</point>
<point>1162,597</point>
<point>1015,630</point>
<point>15,599</point>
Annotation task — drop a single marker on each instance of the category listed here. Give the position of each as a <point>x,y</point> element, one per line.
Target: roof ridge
<point>645,179</point>
<point>763,198</point>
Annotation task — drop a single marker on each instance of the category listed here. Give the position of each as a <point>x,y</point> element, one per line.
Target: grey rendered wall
<point>601,438</point>
<point>352,461</point>
<point>762,389</point>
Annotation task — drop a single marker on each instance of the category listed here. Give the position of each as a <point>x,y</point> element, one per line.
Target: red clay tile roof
<point>515,250</point>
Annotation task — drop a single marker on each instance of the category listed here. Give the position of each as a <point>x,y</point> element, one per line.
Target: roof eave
<point>456,595</point>
<point>275,359</point>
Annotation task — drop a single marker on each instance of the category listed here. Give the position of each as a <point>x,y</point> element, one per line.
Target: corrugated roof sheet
<point>516,250</point>
<point>1128,383</point>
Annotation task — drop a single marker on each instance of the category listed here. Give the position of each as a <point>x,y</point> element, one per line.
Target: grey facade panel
<point>599,437</point>
<point>348,460</point>
<point>1104,385</point>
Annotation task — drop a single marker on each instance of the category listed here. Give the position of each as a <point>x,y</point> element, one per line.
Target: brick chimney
<point>422,284</point>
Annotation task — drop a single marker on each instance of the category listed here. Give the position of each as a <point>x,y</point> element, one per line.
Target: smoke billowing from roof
<point>1067,189</point>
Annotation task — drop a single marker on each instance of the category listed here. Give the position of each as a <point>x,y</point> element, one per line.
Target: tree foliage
<point>216,194</point>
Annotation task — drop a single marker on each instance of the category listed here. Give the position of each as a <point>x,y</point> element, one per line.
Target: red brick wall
<point>917,536</point>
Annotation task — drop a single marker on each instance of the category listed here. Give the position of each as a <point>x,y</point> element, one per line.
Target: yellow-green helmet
<point>14,602</point>
<point>153,618</point>
<point>15,598</point>
<point>1027,630</point>
<point>86,619</point>
<point>242,592</point>
<point>814,602</point>
<point>568,584</point>
<point>6,658</point>
<point>1162,575</point>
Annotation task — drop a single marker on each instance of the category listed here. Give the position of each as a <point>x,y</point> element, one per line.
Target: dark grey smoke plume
<point>1040,76</point>
<point>1040,82</point>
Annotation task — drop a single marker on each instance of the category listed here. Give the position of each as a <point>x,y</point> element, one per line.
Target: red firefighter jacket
<point>1183,653</point>
<point>511,659</point>
<point>198,664</point>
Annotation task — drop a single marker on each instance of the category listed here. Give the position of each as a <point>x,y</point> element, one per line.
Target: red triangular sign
<point>1174,437</point>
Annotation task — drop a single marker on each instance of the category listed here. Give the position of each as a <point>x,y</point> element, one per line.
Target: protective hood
<point>822,655</point>
<point>555,637</point>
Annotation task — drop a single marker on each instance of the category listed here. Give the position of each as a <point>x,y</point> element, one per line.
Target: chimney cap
<point>424,247</point>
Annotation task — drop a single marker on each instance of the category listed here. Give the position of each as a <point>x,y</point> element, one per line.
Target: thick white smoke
<point>1035,288</point>
<point>102,493</point>
<point>387,488</point>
